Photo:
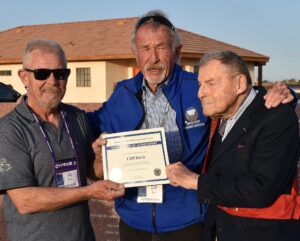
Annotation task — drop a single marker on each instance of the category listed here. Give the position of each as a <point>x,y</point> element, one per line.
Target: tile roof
<point>103,40</point>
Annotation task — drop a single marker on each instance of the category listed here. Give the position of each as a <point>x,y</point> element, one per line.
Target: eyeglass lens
<point>43,74</point>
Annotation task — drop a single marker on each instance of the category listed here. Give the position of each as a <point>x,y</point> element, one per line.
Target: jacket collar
<point>242,125</point>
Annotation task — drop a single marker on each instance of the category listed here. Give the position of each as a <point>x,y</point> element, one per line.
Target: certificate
<point>136,158</point>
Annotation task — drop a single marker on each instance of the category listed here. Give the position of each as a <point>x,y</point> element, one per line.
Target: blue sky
<point>270,27</point>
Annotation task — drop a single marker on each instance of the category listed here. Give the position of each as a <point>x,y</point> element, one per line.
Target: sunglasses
<point>158,19</point>
<point>43,74</point>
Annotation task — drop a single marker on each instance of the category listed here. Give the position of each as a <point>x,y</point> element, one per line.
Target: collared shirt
<point>28,163</point>
<point>159,113</point>
<point>231,121</point>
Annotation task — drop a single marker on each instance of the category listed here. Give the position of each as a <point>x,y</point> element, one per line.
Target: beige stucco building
<point>99,55</point>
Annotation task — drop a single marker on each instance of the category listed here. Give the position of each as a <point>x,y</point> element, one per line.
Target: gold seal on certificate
<point>136,158</point>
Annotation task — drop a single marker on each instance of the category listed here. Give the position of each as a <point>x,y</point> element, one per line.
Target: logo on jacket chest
<point>192,118</point>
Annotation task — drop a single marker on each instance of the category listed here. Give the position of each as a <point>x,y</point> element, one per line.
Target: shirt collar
<point>231,121</point>
<point>24,110</point>
<point>159,89</point>
<point>244,106</point>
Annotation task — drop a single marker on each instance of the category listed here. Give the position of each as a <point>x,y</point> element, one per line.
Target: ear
<point>134,50</point>
<point>23,75</point>
<point>178,53</point>
<point>242,84</point>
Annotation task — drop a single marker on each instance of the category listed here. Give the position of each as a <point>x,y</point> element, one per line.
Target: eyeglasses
<point>43,74</point>
<point>158,19</point>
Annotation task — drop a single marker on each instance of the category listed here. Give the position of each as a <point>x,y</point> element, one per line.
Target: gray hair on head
<point>165,21</point>
<point>229,59</point>
<point>44,45</point>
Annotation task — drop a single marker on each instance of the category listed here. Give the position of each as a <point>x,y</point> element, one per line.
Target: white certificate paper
<point>136,158</point>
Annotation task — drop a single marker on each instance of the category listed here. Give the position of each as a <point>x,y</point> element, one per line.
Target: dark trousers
<point>190,233</point>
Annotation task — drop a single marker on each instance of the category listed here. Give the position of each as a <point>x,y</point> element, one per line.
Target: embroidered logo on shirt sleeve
<point>4,166</point>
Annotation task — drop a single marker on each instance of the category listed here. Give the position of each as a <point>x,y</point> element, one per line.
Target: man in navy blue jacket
<point>161,95</point>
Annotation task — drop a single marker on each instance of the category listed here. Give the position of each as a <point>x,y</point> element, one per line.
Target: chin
<point>211,114</point>
<point>207,112</point>
<point>52,103</point>
<point>155,79</point>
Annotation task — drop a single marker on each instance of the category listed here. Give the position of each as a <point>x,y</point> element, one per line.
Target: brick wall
<point>5,108</point>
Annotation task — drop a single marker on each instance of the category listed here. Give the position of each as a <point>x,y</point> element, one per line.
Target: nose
<point>51,79</point>
<point>154,57</point>
<point>201,91</point>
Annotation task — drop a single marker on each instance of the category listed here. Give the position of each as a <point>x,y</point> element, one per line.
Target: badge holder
<point>66,173</point>
<point>150,194</point>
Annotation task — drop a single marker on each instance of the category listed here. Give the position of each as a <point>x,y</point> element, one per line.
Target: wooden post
<point>260,75</point>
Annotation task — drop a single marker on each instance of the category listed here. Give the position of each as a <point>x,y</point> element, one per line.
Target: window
<point>83,77</point>
<point>5,72</point>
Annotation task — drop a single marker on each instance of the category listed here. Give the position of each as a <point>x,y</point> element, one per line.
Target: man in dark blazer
<point>248,180</point>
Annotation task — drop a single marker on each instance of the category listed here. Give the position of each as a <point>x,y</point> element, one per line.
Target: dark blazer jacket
<point>255,164</point>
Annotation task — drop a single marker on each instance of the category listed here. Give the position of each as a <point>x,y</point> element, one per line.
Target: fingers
<point>107,190</point>
<point>174,183</point>
<point>180,175</point>
<point>114,190</point>
<point>279,93</point>
<point>114,193</point>
<point>114,186</point>
<point>170,171</point>
<point>98,143</point>
<point>288,100</point>
<point>174,173</point>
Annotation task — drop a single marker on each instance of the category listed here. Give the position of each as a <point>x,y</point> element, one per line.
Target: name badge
<point>66,173</point>
<point>150,194</point>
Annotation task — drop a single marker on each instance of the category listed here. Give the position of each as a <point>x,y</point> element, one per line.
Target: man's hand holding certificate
<point>136,158</point>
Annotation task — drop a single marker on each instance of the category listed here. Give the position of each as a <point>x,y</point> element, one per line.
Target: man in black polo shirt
<point>46,155</point>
